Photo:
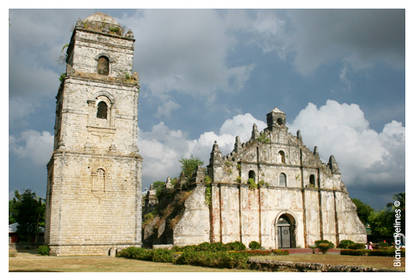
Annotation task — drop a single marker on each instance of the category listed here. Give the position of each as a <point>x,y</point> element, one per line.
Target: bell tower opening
<point>103,65</point>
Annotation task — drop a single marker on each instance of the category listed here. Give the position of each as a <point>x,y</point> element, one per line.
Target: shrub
<point>252,184</point>
<point>136,253</point>
<point>43,250</point>
<point>217,246</point>
<point>280,252</point>
<point>331,245</point>
<point>205,246</point>
<point>162,255</point>
<point>254,245</point>
<point>344,244</point>
<point>357,246</point>
<point>258,252</point>
<point>358,252</point>
<point>62,77</point>
<point>277,252</point>
<point>235,246</point>
<point>382,245</point>
<point>324,245</point>
<point>213,259</point>
<point>390,252</point>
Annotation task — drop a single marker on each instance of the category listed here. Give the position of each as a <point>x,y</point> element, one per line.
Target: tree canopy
<point>363,210</point>
<point>28,210</point>
<point>189,165</point>
<point>382,222</point>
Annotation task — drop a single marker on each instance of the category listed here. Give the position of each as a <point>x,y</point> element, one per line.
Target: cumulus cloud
<point>162,147</point>
<point>36,41</point>
<point>33,145</point>
<point>364,155</point>
<point>186,51</point>
<point>166,108</point>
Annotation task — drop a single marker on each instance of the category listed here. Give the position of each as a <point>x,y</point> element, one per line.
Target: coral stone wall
<point>289,180</point>
<point>94,175</point>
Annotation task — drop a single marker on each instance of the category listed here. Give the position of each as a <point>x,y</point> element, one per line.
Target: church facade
<point>271,189</point>
<point>94,175</point>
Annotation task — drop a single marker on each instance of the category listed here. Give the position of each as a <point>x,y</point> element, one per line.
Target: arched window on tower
<point>98,180</point>
<point>282,180</point>
<point>103,65</point>
<point>252,175</point>
<point>282,157</point>
<point>312,180</point>
<point>102,112</point>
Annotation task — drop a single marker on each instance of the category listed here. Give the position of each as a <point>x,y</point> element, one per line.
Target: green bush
<point>357,246</point>
<point>382,245</point>
<point>62,77</point>
<point>390,252</point>
<point>43,250</point>
<point>331,245</point>
<point>358,252</point>
<point>280,252</point>
<point>258,252</point>
<point>162,255</point>
<point>277,252</point>
<point>252,184</point>
<point>214,247</point>
<point>324,245</point>
<point>205,246</point>
<point>254,245</point>
<point>136,253</point>
<point>219,259</point>
<point>344,244</point>
<point>235,246</point>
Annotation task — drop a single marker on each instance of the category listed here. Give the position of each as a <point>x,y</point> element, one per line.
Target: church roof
<point>101,17</point>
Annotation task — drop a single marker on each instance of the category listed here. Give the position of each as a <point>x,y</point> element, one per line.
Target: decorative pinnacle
<point>237,144</point>
<point>255,132</point>
<point>298,135</point>
<point>333,165</point>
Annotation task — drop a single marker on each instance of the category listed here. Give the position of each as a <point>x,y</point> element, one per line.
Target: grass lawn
<point>371,261</point>
<point>36,263</point>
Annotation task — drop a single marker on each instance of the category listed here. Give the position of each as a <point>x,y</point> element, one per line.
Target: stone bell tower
<point>94,174</point>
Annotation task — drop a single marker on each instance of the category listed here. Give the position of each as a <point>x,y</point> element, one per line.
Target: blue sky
<point>339,75</point>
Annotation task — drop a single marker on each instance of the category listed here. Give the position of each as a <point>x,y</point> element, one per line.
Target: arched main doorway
<point>285,229</point>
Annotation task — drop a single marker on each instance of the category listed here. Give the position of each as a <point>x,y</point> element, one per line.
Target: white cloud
<point>33,145</point>
<point>364,156</point>
<point>166,108</point>
<point>36,41</point>
<point>162,147</point>
<point>186,51</point>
